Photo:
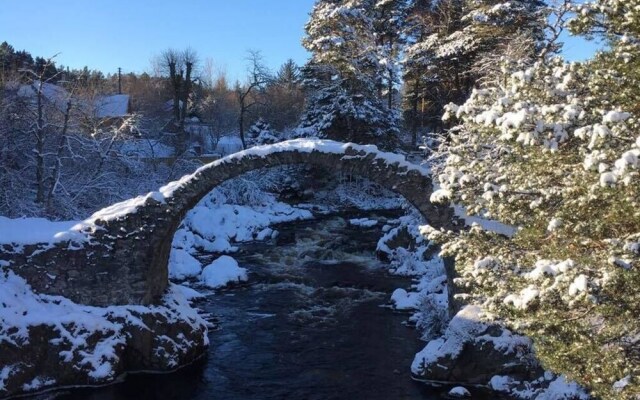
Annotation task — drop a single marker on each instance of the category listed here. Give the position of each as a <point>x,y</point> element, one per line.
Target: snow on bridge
<point>302,146</point>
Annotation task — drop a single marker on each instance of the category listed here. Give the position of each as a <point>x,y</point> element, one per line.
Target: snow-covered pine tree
<point>389,17</point>
<point>553,148</point>
<point>261,133</point>
<point>435,72</point>
<point>421,81</point>
<point>496,30</point>
<point>455,43</point>
<point>343,75</point>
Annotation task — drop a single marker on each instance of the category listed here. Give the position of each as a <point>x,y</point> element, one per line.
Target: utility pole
<point>119,80</point>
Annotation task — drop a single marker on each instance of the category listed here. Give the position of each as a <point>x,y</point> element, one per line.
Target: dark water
<point>300,329</point>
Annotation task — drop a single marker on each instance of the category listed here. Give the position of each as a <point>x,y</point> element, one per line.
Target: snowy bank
<point>214,226</point>
<point>91,342</point>
<point>467,348</point>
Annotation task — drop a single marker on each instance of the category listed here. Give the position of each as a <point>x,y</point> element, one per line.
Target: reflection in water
<point>309,325</point>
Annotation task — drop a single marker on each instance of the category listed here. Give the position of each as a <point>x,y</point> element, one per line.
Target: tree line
<point>59,157</point>
<point>380,71</point>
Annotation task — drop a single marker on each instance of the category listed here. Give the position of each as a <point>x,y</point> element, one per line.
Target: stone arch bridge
<point>120,254</point>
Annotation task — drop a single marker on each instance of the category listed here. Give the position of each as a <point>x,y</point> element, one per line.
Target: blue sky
<point>107,34</point>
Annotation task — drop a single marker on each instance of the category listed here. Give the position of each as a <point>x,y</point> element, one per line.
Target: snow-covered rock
<point>619,385</point>
<point>473,351</point>
<point>363,222</point>
<point>223,271</point>
<point>500,383</point>
<point>189,293</point>
<point>459,392</point>
<point>561,388</point>
<point>183,265</point>
<point>403,300</point>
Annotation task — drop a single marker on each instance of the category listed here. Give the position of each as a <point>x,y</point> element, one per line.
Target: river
<point>311,323</point>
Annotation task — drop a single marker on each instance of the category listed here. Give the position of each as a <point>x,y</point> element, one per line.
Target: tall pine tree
<point>344,76</point>
<point>453,44</point>
<point>389,17</point>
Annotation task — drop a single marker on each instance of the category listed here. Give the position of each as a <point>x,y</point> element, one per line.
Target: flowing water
<point>311,323</point>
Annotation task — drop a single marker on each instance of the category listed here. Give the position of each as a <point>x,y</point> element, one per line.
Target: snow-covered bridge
<point>120,254</point>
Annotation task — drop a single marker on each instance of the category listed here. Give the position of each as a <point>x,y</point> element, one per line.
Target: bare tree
<point>218,105</point>
<point>62,147</point>
<point>47,99</point>
<point>189,59</point>
<point>171,63</point>
<point>54,164</point>
<point>180,66</point>
<point>257,79</point>
<point>208,73</point>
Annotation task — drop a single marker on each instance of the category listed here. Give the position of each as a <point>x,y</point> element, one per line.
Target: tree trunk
<point>241,121</point>
<point>40,146</point>
<point>55,176</point>
<point>390,89</point>
<point>176,91</point>
<point>390,82</point>
<point>414,112</point>
<point>186,91</point>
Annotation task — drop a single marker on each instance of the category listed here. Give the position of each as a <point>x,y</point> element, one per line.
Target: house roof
<point>53,93</point>
<point>113,106</point>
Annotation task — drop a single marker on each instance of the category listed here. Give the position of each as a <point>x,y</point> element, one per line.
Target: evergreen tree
<point>288,75</point>
<point>456,43</point>
<point>343,77</point>
<point>46,68</point>
<point>261,133</point>
<point>13,62</point>
<point>433,73</point>
<point>554,149</point>
<point>7,53</point>
<point>418,65</point>
<point>285,98</point>
<point>389,17</point>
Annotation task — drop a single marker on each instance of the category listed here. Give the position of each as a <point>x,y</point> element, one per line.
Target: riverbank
<point>48,342</point>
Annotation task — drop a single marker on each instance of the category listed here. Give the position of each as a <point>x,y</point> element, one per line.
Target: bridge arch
<point>126,258</point>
